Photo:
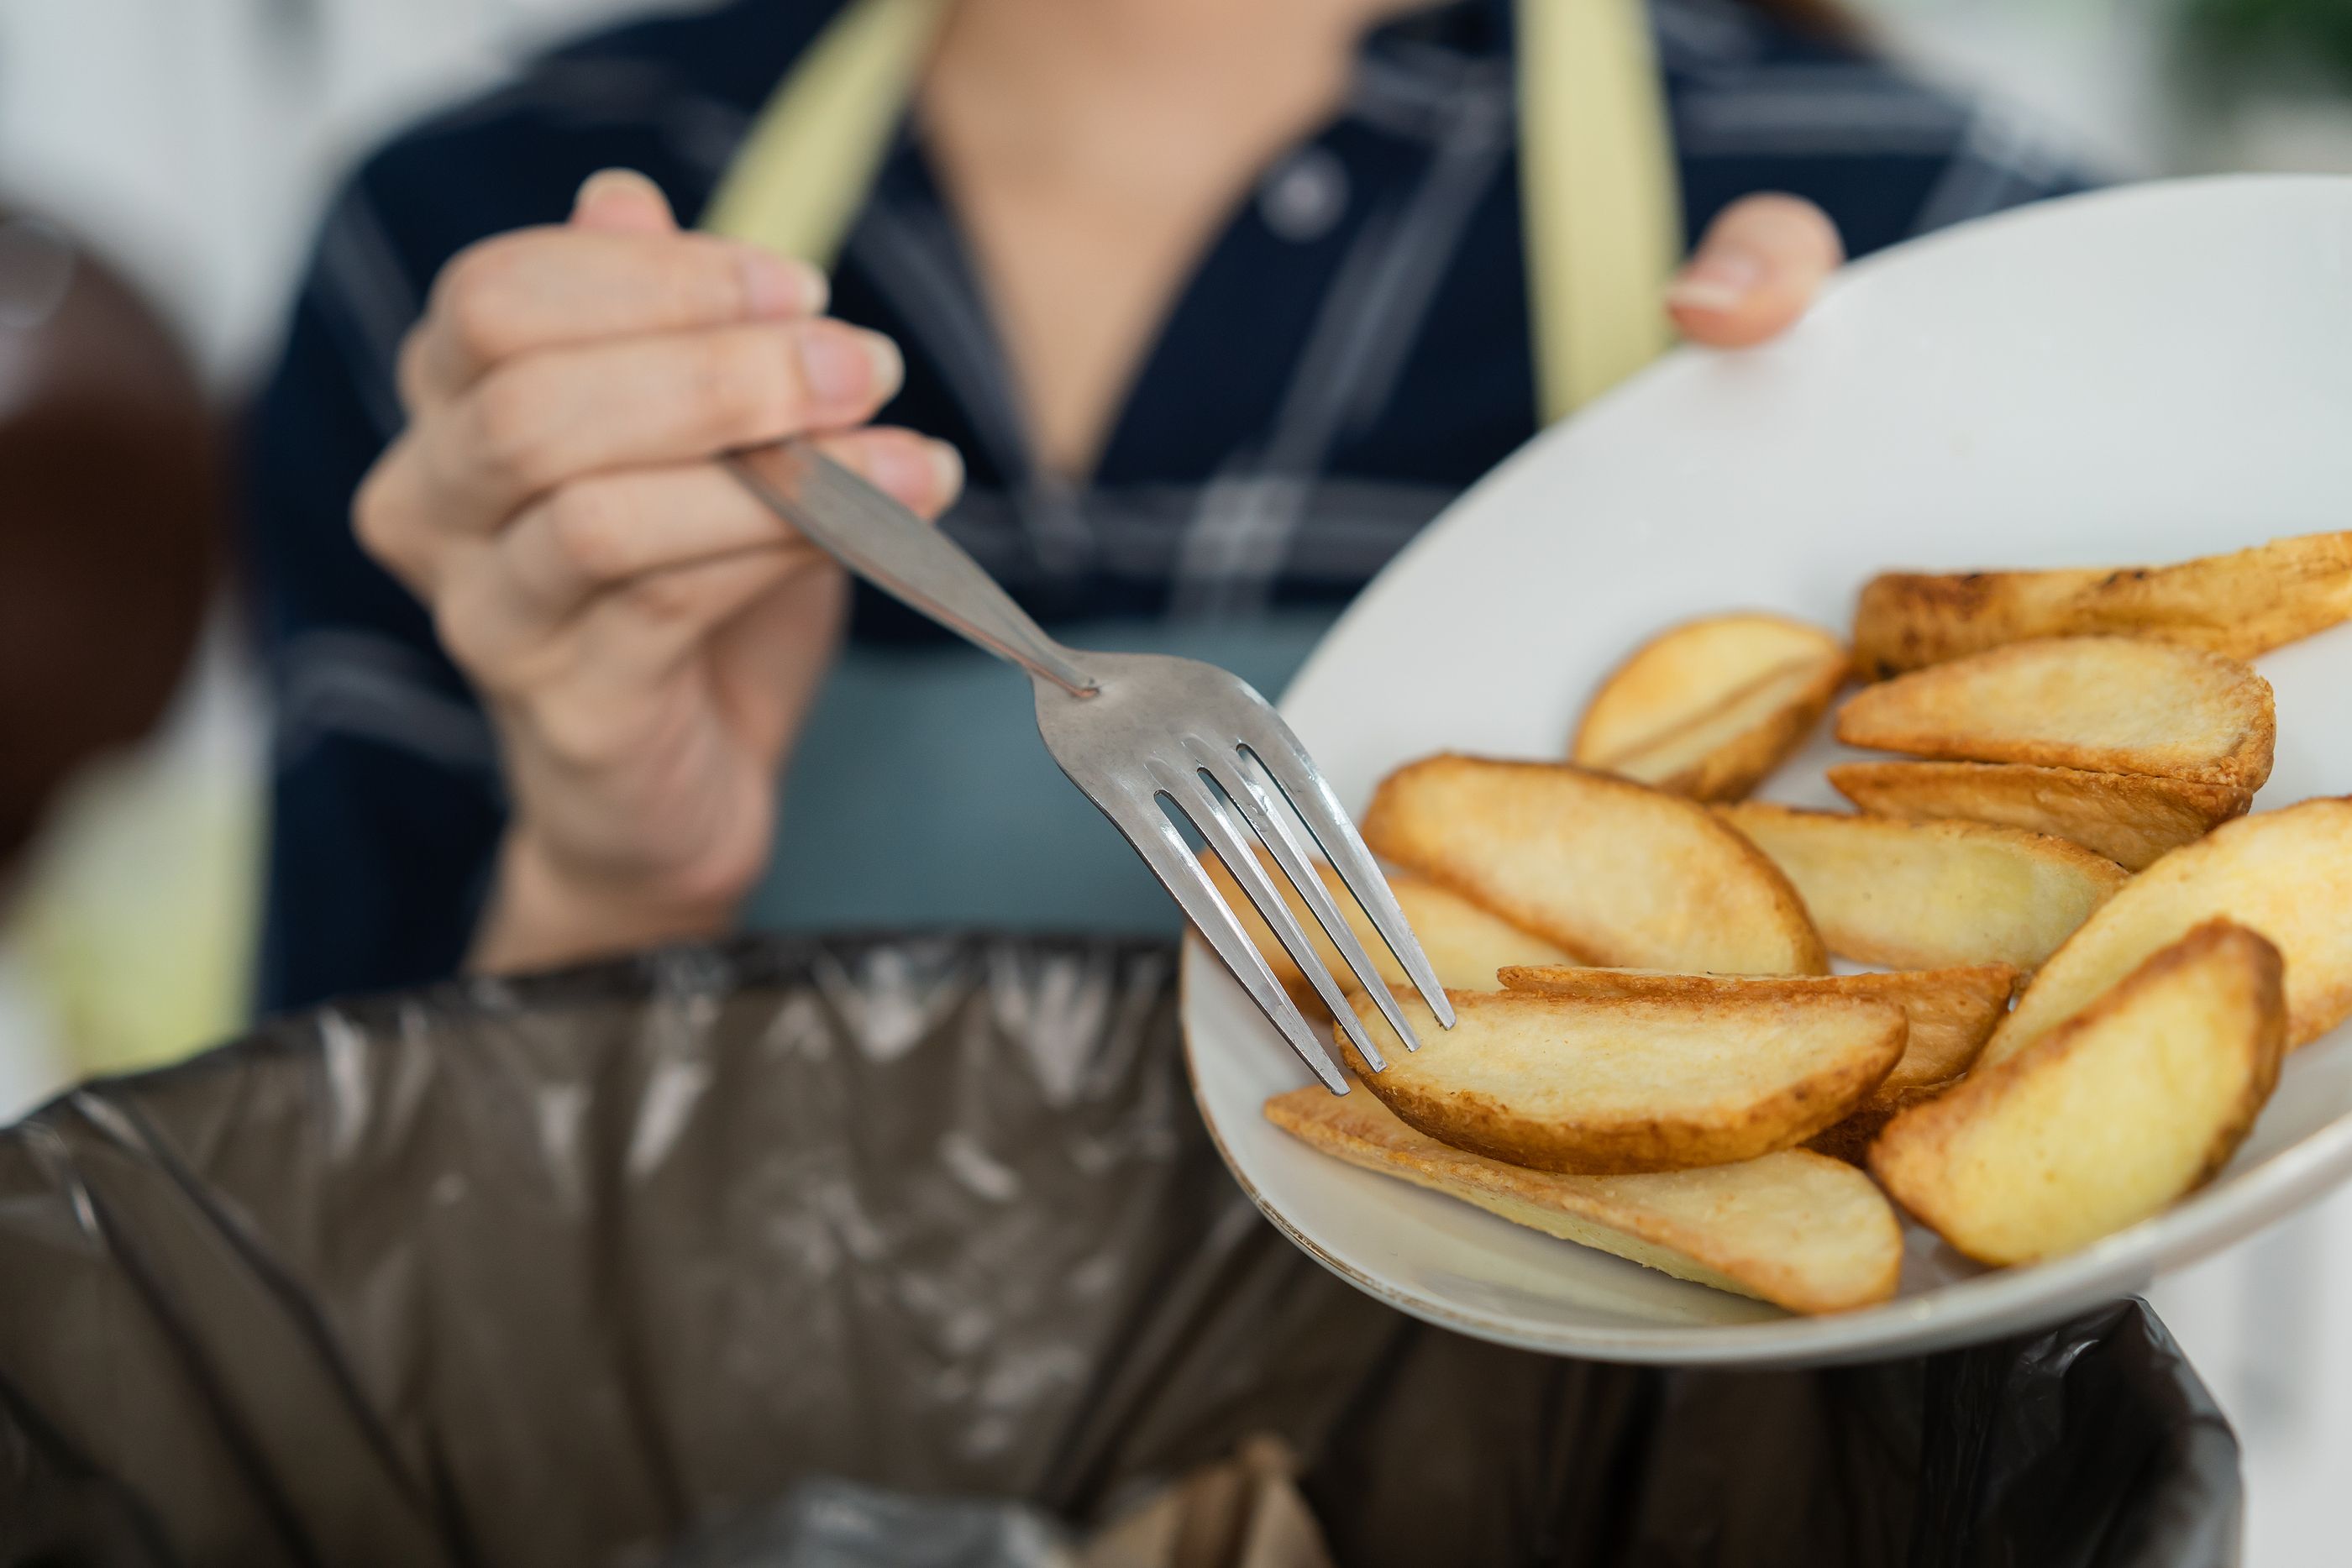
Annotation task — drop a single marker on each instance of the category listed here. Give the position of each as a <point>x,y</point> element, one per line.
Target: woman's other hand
<point>645,636</point>
<point>1756,272</point>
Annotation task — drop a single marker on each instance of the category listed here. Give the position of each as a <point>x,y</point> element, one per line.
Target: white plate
<point>2141,375</point>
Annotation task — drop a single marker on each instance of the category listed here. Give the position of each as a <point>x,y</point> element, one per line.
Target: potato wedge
<point>2239,605</point>
<point>1613,870</point>
<point>1709,708</point>
<point>1951,1011</point>
<point>1926,895</point>
<point>1607,1086</point>
<point>2287,874</point>
<point>2132,819</point>
<point>2105,1119</point>
<point>1465,945</point>
<point>2109,704</point>
<point>1795,1229</point>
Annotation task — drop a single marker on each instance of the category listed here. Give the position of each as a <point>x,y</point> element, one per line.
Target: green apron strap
<point>1602,210</point>
<point>1600,198</point>
<point>798,180</point>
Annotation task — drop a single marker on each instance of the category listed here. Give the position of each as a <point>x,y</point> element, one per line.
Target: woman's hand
<point>647,637</point>
<point>1759,267</point>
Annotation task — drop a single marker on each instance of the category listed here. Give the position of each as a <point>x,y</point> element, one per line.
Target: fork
<point>1140,733</point>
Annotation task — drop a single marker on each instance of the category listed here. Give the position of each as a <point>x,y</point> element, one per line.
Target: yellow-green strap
<point>798,180</point>
<point>1600,200</point>
<point>1599,196</point>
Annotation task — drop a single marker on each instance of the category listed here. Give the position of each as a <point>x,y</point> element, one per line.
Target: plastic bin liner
<point>573,1270</point>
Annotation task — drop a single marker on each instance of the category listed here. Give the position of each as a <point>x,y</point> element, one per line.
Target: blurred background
<point>162,165</point>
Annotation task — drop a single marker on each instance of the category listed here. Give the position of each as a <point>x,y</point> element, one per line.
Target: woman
<point>1201,310</point>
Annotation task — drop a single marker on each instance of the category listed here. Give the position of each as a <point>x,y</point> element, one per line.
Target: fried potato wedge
<point>1709,708</point>
<point>1951,1011</point>
<point>1607,1086</point>
<point>2105,1119</point>
<point>2131,819</point>
<point>2109,704</point>
<point>1797,1230</point>
<point>1926,895</point>
<point>2239,605</point>
<point>1465,945</point>
<point>2287,874</point>
<point>1613,870</point>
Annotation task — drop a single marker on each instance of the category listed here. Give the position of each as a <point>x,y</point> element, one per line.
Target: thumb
<point>1756,270</point>
<point>622,201</point>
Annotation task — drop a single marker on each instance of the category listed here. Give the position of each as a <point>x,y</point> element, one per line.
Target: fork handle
<point>902,555</point>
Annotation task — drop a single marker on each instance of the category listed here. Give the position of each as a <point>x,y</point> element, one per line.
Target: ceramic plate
<point>2140,375</point>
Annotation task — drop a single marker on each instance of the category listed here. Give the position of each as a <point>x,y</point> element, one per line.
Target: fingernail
<point>782,285</point>
<point>845,365</point>
<point>1719,281</point>
<point>946,467</point>
<point>605,180</point>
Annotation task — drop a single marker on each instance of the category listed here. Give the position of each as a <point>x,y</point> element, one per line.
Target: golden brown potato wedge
<point>1795,1229</point>
<point>2240,605</point>
<point>2287,874</point>
<point>1610,869</point>
<point>1465,944</point>
<point>2109,704</point>
<point>1605,1086</point>
<point>1926,895</point>
<point>1709,708</point>
<point>2132,819</point>
<point>1951,1011</point>
<point>2105,1119</point>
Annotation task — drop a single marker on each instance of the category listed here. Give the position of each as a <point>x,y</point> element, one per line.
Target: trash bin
<point>588,1269</point>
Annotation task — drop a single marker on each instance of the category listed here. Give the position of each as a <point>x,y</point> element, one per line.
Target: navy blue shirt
<point>1351,353</point>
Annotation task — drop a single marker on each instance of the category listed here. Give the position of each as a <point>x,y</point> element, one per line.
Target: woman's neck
<point>1049,64</point>
<point>1094,147</point>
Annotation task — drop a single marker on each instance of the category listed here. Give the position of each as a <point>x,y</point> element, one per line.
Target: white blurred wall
<point>195,139</point>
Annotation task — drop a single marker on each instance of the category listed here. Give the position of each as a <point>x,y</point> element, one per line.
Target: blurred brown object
<point>1824,18</point>
<point>111,513</point>
<point>1244,1512</point>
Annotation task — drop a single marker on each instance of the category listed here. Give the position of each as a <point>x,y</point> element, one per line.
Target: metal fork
<point>1138,733</point>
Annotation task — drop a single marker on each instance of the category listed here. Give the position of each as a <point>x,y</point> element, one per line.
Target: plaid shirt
<point>1351,352</point>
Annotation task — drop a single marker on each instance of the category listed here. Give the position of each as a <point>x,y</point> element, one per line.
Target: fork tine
<point>1200,803</point>
<point>1291,855</point>
<point>1267,739</point>
<point>1171,860</point>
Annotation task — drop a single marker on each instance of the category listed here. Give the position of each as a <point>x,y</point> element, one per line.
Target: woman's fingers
<point>622,201</point>
<point>551,288</point>
<point>590,537</point>
<point>1756,272</point>
<point>590,547</point>
<point>552,418</point>
<point>922,474</point>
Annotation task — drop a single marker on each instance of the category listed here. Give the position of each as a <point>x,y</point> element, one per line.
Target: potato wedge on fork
<point>1603,867</point>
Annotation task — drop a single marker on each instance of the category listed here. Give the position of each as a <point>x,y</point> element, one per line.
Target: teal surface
<point>920,795</point>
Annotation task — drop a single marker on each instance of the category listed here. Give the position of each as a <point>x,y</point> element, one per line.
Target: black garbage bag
<point>571,1269</point>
